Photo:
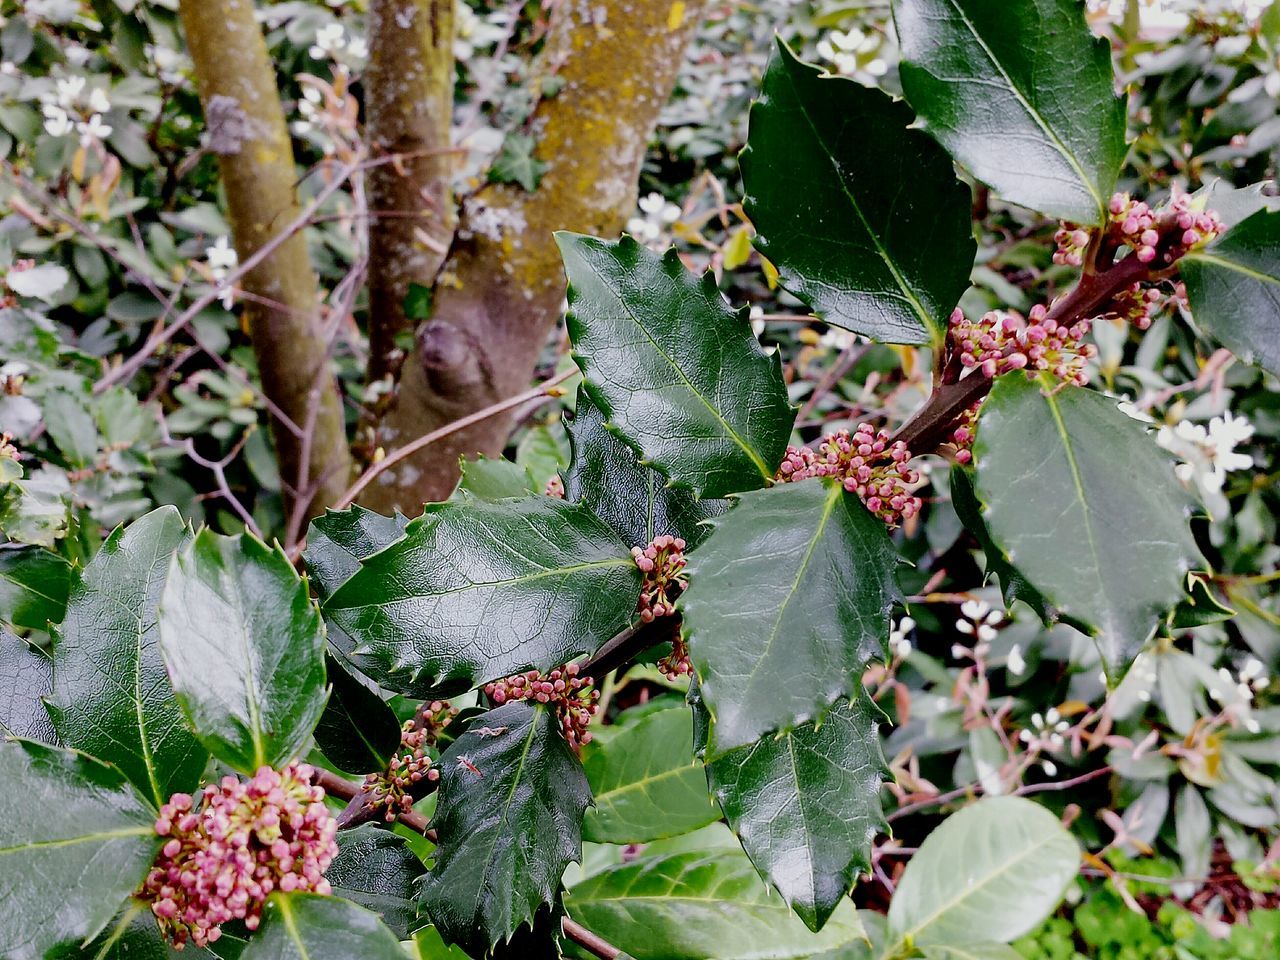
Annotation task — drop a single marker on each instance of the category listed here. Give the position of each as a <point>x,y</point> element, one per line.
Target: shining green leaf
<point>788,602</point>
<point>33,510</point>
<point>111,693</point>
<point>33,587</point>
<point>339,540</point>
<point>245,649</point>
<point>807,805</point>
<point>480,590</point>
<point>1234,289</point>
<point>863,217</point>
<point>646,783</point>
<point>509,821</point>
<point>26,677</point>
<point>700,906</point>
<point>606,476</point>
<point>376,869</point>
<point>358,732</point>
<point>544,452</point>
<point>1022,94</point>
<point>131,935</point>
<point>675,371</point>
<point>991,872</point>
<point>304,926</point>
<point>487,479</point>
<point>75,840</point>
<point>1095,519</point>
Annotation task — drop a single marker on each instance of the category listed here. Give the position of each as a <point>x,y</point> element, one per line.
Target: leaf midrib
<point>29,588</point>
<point>643,782</point>
<point>1031,111</point>
<point>291,927</point>
<point>1232,265</point>
<point>138,831</point>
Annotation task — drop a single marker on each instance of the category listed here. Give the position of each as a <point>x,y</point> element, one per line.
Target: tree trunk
<point>500,294</point>
<point>246,129</point>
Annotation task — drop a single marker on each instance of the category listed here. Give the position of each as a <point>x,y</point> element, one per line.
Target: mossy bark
<point>499,295</point>
<point>246,129</point>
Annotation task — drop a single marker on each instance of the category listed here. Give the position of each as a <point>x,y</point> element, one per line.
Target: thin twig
<point>595,945</point>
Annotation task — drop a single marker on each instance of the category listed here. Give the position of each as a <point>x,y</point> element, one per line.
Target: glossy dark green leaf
<point>863,217</point>
<point>1022,94</point>
<point>1234,289</point>
<point>479,590</point>
<point>358,731</point>
<point>646,783</point>
<point>701,906</point>
<point>132,935</point>
<point>509,821</point>
<point>75,841</point>
<point>1200,607</point>
<point>1086,506</point>
<point>111,694</point>
<point>789,600</point>
<point>376,869</point>
<point>806,805</point>
<point>488,479</point>
<point>304,926</point>
<point>33,587</point>
<point>338,541</point>
<point>677,373</point>
<point>26,677</point>
<point>606,476</point>
<point>245,649</point>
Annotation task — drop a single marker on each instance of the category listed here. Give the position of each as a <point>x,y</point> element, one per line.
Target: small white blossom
<point>69,90</point>
<point>1208,454</point>
<point>899,639</point>
<point>658,215</point>
<point>330,39</point>
<point>56,121</point>
<point>1015,663</point>
<point>99,102</point>
<point>980,620</point>
<point>94,129</point>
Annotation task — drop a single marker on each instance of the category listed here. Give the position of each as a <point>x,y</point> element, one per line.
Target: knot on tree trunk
<point>453,359</point>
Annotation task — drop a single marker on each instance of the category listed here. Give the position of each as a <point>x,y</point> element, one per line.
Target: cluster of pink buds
<point>555,487</point>
<point>676,663</point>
<point>966,429</point>
<point>1071,242</point>
<point>1164,233</point>
<point>393,788</point>
<point>574,699</point>
<point>662,563</point>
<point>1137,305</point>
<point>868,462</point>
<point>234,844</point>
<point>1005,341</point>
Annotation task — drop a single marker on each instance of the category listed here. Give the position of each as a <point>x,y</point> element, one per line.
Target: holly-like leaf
<point>376,869</point>
<point>111,694</point>
<point>807,805</point>
<point>75,841</point>
<point>509,820</point>
<point>789,600</point>
<point>863,217</point>
<point>245,649</point>
<point>488,479</point>
<point>339,540</point>
<point>479,590</point>
<point>701,906</point>
<point>1234,289</point>
<point>358,731</point>
<point>646,783</point>
<point>1083,502</point>
<point>134,935</point>
<point>33,587</point>
<point>993,871</point>
<point>26,676</point>
<point>1022,94</point>
<point>304,926</point>
<point>675,371</point>
<point>606,476</point>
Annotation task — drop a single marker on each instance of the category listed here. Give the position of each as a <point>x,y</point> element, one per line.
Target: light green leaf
<point>789,600</point>
<point>675,371</point>
<point>863,217</point>
<point>245,649</point>
<point>304,926</point>
<point>1087,507</point>
<point>646,783</point>
<point>1022,94</point>
<point>487,479</point>
<point>75,841</point>
<point>991,872</point>
<point>33,587</point>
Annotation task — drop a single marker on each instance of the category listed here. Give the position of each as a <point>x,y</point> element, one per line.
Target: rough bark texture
<point>246,129</point>
<point>408,109</point>
<point>500,294</point>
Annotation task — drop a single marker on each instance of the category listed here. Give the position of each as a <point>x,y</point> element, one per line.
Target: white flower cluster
<point>1047,732</point>
<point>332,41</point>
<point>1208,454</point>
<point>978,620</point>
<point>900,637</point>
<point>68,102</point>
<point>1238,691</point>
<point>844,49</point>
<point>658,215</point>
<point>222,259</point>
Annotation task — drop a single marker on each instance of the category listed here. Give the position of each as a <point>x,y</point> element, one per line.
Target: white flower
<point>98,100</point>
<point>756,315</point>
<point>56,121</point>
<point>656,207</point>
<point>980,620</point>
<point>837,339</point>
<point>93,129</point>
<point>899,641</point>
<point>76,54</point>
<point>222,257</point>
<point>329,40</point>
<point>1015,663</point>
<point>357,48</point>
<point>69,90</point>
<point>1208,454</point>
<point>659,214</point>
